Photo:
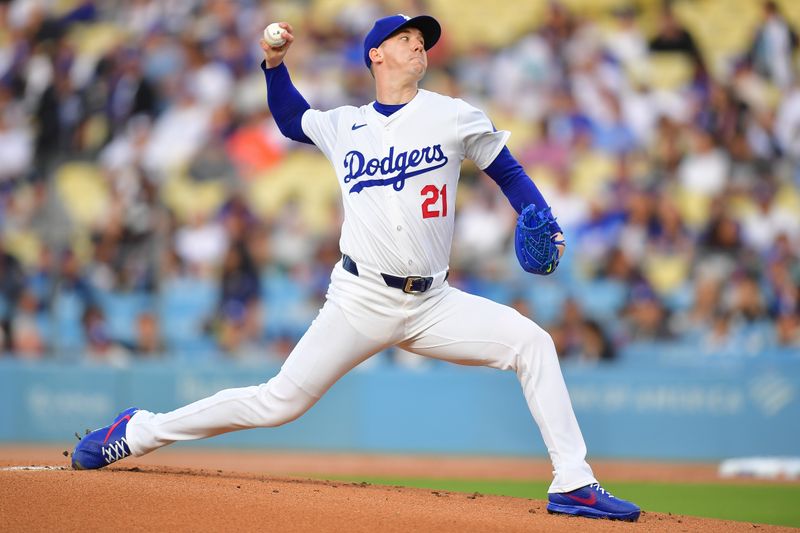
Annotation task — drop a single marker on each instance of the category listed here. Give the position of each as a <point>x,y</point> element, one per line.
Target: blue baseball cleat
<point>592,501</point>
<point>103,446</point>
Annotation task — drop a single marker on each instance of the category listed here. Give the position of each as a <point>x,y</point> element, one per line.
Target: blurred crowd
<point>149,207</point>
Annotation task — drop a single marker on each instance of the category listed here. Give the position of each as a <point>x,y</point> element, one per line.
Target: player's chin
<point>418,69</point>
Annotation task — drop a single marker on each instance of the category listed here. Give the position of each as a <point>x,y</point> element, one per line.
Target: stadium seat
<point>307,177</point>
<point>96,39</point>
<point>67,329</point>
<point>83,192</point>
<point>546,298</point>
<point>286,301</point>
<point>187,197</point>
<point>185,306</point>
<point>666,272</point>
<point>122,310</point>
<point>669,71</point>
<point>466,22</point>
<point>601,299</point>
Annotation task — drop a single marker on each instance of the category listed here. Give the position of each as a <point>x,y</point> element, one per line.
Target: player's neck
<point>388,91</point>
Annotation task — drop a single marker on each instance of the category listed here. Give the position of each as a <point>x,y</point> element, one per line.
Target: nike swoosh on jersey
<point>354,127</point>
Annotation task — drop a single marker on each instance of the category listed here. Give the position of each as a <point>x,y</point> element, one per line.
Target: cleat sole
<point>589,512</point>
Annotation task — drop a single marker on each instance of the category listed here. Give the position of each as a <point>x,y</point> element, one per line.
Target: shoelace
<point>601,490</point>
<point>115,451</point>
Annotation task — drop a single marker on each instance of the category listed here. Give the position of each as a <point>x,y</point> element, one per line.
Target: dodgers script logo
<point>404,164</point>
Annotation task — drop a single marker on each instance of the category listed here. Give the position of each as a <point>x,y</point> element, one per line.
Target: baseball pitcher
<point>397,161</point>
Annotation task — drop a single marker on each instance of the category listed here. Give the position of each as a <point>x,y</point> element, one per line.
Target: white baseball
<point>273,34</point>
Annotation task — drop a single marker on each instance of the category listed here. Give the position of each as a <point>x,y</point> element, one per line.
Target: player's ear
<point>375,55</point>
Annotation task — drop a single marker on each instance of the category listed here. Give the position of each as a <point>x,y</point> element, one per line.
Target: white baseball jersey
<point>399,175</point>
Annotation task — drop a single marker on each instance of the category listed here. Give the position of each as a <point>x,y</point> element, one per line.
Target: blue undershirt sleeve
<point>515,183</point>
<point>285,103</point>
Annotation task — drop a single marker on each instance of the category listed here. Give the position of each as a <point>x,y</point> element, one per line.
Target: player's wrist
<point>265,65</point>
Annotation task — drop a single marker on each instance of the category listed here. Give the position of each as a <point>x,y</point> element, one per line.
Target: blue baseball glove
<point>535,241</point>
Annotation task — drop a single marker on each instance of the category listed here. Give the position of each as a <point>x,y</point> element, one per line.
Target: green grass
<point>777,504</point>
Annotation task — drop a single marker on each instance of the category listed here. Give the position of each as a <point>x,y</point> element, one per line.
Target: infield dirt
<point>193,489</point>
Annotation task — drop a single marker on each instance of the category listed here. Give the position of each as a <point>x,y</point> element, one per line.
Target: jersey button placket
<point>393,211</point>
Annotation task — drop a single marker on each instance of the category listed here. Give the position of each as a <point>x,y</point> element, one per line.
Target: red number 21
<point>431,194</point>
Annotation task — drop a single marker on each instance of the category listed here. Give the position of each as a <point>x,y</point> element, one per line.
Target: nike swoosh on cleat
<point>591,500</point>
<point>112,428</point>
<point>357,126</point>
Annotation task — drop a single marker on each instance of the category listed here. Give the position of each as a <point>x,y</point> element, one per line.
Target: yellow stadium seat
<point>84,192</point>
<point>522,133</point>
<point>97,39</point>
<point>23,244</point>
<point>666,272</point>
<point>669,71</point>
<point>695,208</point>
<point>722,28</point>
<point>303,175</point>
<point>61,7</point>
<point>495,25</point>
<point>95,132</point>
<point>788,197</point>
<point>791,10</point>
<point>188,198</point>
<point>590,173</point>
<point>542,176</point>
<point>596,8</point>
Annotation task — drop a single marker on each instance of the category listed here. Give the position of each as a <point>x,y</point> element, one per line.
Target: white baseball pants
<point>363,316</point>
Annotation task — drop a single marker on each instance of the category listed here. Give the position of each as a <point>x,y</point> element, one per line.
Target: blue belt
<point>409,284</point>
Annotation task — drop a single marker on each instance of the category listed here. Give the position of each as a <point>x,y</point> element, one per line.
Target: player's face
<point>405,52</point>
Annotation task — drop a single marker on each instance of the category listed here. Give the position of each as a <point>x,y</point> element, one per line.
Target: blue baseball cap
<point>386,26</point>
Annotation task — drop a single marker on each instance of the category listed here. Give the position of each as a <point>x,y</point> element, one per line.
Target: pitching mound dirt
<point>136,496</point>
